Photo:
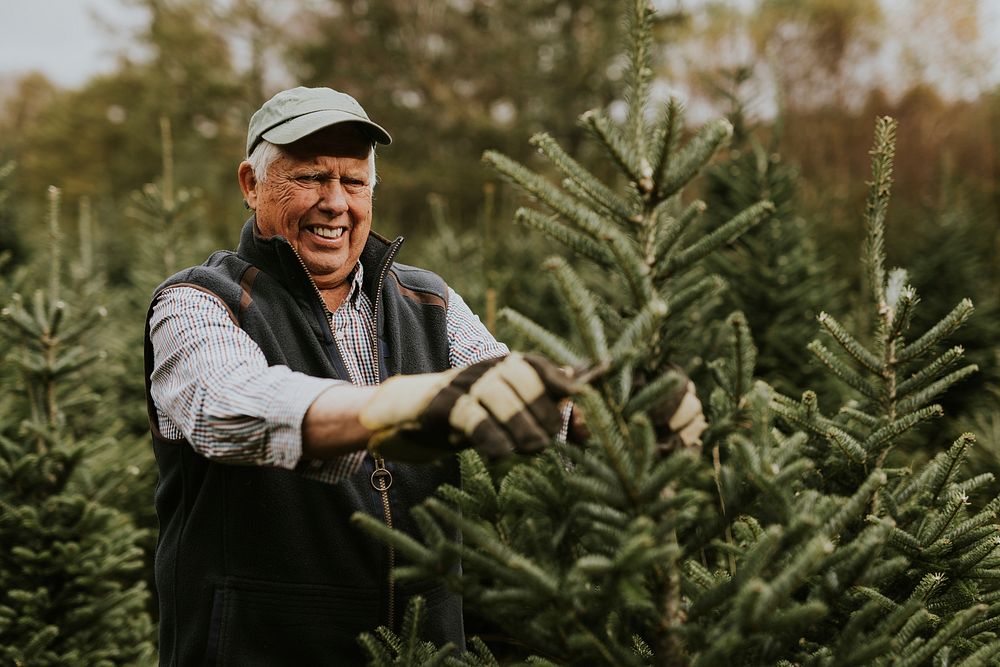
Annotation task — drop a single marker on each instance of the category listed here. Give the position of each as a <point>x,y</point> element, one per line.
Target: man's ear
<point>248,184</point>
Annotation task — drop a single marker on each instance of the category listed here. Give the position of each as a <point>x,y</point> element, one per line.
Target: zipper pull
<point>381,478</point>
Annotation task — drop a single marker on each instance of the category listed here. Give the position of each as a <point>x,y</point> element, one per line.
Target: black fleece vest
<point>260,566</point>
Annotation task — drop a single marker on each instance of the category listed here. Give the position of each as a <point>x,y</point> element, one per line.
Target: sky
<point>64,39</point>
<point>72,40</point>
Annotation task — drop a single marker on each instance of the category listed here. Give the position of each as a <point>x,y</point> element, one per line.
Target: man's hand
<point>498,406</point>
<point>679,421</point>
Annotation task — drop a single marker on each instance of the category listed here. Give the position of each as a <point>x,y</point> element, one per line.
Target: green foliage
<point>776,473</point>
<point>776,274</point>
<point>787,539</point>
<point>405,649</point>
<point>69,589</point>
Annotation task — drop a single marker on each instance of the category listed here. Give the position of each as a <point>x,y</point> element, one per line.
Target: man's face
<point>319,197</point>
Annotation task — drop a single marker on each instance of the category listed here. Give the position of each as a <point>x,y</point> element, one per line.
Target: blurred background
<point>84,85</point>
<point>136,110</point>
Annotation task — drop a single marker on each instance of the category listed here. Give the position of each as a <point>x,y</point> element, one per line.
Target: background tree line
<point>145,159</point>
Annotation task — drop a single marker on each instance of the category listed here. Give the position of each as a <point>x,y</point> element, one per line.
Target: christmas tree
<point>794,535</point>
<point>776,274</point>
<point>69,593</point>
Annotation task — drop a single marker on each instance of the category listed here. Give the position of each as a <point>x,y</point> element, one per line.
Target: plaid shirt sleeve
<point>212,385</point>
<point>469,340</point>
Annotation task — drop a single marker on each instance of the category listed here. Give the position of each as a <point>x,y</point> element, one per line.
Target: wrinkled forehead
<point>342,140</point>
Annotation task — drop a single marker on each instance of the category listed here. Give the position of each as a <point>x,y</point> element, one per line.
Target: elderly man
<point>303,378</point>
<point>272,419</point>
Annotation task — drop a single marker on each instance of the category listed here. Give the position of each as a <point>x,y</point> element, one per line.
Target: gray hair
<point>264,155</point>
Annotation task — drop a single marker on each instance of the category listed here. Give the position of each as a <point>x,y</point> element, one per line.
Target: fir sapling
<point>789,538</point>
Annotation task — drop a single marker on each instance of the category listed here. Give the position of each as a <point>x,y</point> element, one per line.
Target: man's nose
<point>332,197</point>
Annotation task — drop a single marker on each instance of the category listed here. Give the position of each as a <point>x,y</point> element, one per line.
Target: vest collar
<point>275,256</point>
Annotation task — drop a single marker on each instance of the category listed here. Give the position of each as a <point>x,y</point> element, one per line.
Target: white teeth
<point>328,233</point>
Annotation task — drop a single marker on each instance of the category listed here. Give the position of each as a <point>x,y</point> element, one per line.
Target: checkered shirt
<point>212,385</point>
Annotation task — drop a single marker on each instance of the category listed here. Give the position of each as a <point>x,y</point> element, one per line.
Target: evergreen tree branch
<point>552,227</point>
<point>502,561</point>
<point>730,231</point>
<point>622,247</point>
<point>851,448</point>
<point>903,312</point>
<point>679,302</point>
<point>656,392</point>
<point>638,333</point>
<point>985,655</point>
<point>935,525</point>
<point>638,77</point>
<point>937,333</point>
<point>670,230</point>
<point>850,343</point>
<point>606,432</point>
<point>924,396</point>
<point>808,560</point>
<point>961,620</point>
<point>744,355</point>
<point>880,187</point>
<point>593,189</point>
<point>553,346</point>
<point>882,437</point>
<point>617,146</point>
<point>843,371</point>
<point>665,139</point>
<point>695,155</point>
<point>601,208</point>
<point>756,558</point>
<point>582,310</point>
<point>855,505</point>
<point>928,373</point>
<point>629,262</point>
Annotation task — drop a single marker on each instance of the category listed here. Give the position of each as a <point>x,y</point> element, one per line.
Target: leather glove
<point>499,406</point>
<point>679,420</point>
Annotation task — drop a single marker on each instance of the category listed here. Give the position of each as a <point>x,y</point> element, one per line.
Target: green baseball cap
<point>298,112</point>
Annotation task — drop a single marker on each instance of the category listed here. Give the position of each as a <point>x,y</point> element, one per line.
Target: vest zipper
<point>384,476</point>
<point>381,478</point>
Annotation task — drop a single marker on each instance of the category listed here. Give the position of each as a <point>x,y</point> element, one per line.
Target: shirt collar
<point>356,284</point>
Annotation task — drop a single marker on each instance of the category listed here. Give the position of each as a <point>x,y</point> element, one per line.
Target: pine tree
<point>525,556</point>
<point>776,274</point>
<point>792,537</point>
<point>166,215</point>
<point>69,594</point>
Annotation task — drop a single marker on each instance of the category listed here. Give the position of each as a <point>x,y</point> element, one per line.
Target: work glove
<point>679,420</point>
<point>499,406</point>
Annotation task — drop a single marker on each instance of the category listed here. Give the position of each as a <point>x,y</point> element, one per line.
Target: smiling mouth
<point>327,232</point>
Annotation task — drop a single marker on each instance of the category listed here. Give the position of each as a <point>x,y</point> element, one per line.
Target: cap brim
<point>302,126</point>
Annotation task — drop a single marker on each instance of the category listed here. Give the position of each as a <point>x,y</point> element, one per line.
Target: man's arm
<point>331,427</point>
<point>212,385</point>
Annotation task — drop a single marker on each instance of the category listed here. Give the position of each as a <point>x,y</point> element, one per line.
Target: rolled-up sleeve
<point>212,385</point>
